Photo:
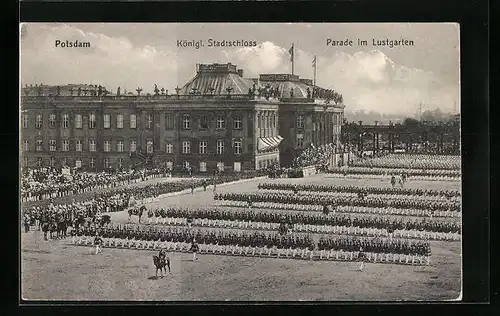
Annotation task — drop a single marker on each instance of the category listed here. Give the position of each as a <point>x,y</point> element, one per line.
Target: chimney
<point>240,72</point>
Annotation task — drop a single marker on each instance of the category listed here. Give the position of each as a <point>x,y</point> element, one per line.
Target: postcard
<point>240,162</point>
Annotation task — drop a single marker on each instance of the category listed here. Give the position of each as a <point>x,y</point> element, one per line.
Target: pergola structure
<point>443,137</point>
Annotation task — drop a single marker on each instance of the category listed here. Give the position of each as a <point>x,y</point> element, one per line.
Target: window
<point>203,122</point>
<point>65,121</point>
<point>133,146</point>
<point>169,165</point>
<point>119,146</point>
<point>78,163</point>
<point>133,121</point>
<point>52,145</point>
<point>203,166</point>
<point>220,166</point>
<point>169,148</point>
<point>186,165</point>
<point>237,166</point>
<point>52,120</point>
<point>186,147</point>
<point>92,163</point>
<point>92,145</point>
<point>237,146</point>
<point>220,147</point>
<point>186,121</point>
<point>25,161</point>
<point>220,122</point>
<point>149,123</point>
<point>119,121</point>
<point>65,145</point>
<point>39,121</point>
<point>78,121</point>
<point>203,146</point>
<point>107,121</point>
<point>39,161</point>
<point>25,121</point>
<point>300,140</point>
<point>107,146</point>
<point>169,121</point>
<point>106,163</point>
<point>39,145</point>
<point>300,121</point>
<point>273,120</point>
<point>149,147</point>
<point>52,161</point>
<point>92,120</point>
<point>120,162</point>
<point>65,161</point>
<point>237,122</point>
<point>78,145</point>
<point>26,145</point>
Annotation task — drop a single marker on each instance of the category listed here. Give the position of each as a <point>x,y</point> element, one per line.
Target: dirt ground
<point>56,270</point>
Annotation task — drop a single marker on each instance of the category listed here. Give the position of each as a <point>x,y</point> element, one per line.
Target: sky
<point>370,78</point>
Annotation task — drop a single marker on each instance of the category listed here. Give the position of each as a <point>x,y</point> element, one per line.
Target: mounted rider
<point>162,255</point>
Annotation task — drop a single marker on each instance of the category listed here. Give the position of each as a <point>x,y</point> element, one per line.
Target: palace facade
<point>218,120</point>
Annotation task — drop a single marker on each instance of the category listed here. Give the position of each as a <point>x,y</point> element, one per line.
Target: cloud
<point>111,61</point>
<point>368,80</point>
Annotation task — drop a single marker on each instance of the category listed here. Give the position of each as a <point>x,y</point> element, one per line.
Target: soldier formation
<point>47,183</point>
<point>355,189</point>
<point>315,199</point>
<point>414,174</point>
<point>427,162</point>
<point>387,224</point>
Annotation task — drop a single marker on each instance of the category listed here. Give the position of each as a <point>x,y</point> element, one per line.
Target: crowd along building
<point>217,120</point>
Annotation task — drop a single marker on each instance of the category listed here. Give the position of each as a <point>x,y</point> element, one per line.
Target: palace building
<point>218,120</point>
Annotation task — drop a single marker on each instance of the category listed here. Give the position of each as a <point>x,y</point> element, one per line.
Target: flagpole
<point>293,58</point>
<point>315,62</point>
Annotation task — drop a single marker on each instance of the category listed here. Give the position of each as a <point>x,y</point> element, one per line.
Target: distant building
<point>218,120</point>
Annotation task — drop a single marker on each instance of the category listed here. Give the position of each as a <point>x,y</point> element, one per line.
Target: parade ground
<point>58,270</point>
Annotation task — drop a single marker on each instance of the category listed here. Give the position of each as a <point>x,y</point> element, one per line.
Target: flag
<point>291,53</point>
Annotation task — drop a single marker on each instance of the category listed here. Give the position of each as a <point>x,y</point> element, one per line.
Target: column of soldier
<point>354,201</point>
<point>328,223</point>
<point>294,246</point>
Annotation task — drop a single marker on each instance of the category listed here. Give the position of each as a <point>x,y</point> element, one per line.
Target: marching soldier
<point>194,248</point>
<point>97,243</point>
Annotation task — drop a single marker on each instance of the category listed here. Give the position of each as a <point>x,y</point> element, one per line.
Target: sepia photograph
<point>240,162</point>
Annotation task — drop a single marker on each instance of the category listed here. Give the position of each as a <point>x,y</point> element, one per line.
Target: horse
<point>161,265</point>
<point>393,181</point>
<point>138,212</point>
<point>400,181</point>
<point>62,227</point>
<point>79,221</point>
<point>150,216</point>
<point>283,229</point>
